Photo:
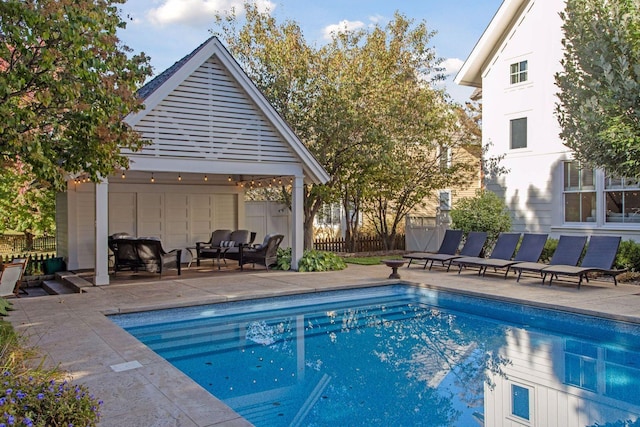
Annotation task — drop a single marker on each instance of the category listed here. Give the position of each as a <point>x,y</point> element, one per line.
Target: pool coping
<point>141,388</point>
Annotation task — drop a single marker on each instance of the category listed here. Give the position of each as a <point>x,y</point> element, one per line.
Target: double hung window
<point>579,193</point>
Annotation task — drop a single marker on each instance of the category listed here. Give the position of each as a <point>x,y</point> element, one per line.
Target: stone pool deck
<point>141,389</point>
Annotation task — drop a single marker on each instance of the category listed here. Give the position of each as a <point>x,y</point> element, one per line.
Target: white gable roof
<point>205,113</point>
<point>503,21</point>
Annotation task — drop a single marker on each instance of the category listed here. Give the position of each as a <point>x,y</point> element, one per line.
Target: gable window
<point>518,133</point>
<point>579,193</point>
<point>519,72</point>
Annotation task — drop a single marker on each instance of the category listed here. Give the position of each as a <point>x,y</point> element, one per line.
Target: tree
<point>66,82</point>
<point>599,86</point>
<point>484,212</point>
<point>360,103</point>
<point>26,205</point>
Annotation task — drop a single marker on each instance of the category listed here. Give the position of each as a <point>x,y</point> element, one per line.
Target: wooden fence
<point>363,244</point>
<point>14,244</point>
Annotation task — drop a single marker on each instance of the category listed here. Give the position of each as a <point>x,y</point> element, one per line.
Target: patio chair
<point>449,246</point>
<point>11,273</point>
<point>242,238</point>
<point>599,257</point>
<point>504,248</point>
<point>125,255</point>
<point>211,249</point>
<point>154,259</point>
<point>530,250</point>
<point>567,252</point>
<point>24,262</point>
<point>472,248</point>
<point>264,254</point>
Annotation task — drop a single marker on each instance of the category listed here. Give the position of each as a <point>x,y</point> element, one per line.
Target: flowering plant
<point>31,402</point>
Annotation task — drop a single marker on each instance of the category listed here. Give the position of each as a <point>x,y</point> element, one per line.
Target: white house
<point>211,131</point>
<point>514,64</point>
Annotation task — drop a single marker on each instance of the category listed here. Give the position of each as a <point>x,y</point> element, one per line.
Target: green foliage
<point>26,205</point>
<point>284,259</point>
<point>364,105</point>
<point>628,256</point>
<point>549,248</point>
<point>484,212</point>
<point>598,109</point>
<point>5,307</point>
<point>371,260</point>
<point>39,397</point>
<point>66,82</point>
<point>320,261</point>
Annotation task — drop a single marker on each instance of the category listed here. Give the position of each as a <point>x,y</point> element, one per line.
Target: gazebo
<point>213,135</point>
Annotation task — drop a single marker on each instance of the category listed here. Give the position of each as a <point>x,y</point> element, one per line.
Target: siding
<point>208,116</point>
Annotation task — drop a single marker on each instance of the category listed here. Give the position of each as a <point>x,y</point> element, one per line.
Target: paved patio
<point>141,389</point>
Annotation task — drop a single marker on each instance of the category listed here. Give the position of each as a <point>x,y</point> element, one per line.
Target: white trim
<point>471,72</point>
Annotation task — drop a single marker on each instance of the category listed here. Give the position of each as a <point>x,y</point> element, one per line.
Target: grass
<point>370,260</point>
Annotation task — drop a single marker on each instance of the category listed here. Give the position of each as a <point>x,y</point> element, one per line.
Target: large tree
<point>363,104</point>
<point>600,84</point>
<point>66,82</point>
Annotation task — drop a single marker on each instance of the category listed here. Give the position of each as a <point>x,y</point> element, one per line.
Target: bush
<point>320,261</point>
<point>39,397</point>
<point>484,212</point>
<point>310,261</point>
<point>628,256</point>
<point>549,248</point>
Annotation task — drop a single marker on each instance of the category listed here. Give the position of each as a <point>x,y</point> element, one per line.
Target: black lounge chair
<point>567,252</point>
<point>472,248</point>
<point>530,250</point>
<point>504,248</point>
<point>449,246</point>
<point>599,257</point>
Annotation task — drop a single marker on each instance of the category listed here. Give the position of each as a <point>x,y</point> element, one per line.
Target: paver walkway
<point>141,389</point>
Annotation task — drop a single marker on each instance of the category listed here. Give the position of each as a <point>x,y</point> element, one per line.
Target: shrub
<point>310,261</point>
<point>484,212</point>
<point>320,261</point>
<point>38,397</point>
<point>549,248</point>
<point>628,256</point>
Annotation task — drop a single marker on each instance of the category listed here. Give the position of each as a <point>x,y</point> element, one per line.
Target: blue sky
<point>166,30</point>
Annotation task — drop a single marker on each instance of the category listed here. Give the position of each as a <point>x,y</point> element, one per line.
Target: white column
<point>102,232</point>
<point>297,211</point>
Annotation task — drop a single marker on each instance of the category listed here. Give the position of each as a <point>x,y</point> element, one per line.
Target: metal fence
<point>363,244</point>
<point>19,243</point>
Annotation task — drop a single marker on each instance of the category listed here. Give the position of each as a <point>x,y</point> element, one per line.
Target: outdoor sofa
<point>142,254</point>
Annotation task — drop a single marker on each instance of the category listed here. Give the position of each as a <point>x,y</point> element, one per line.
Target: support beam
<point>297,212</point>
<point>102,231</point>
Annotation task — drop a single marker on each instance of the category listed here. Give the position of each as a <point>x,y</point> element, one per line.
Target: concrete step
<point>73,281</point>
<point>55,287</point>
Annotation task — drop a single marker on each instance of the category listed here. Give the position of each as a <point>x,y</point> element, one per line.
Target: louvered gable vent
<point>209,116</point>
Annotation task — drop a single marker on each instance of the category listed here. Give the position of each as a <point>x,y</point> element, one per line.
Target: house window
<point>579,193</point>
<point>520,402</point>
<point>622,200</point>
<point>330,214</point>
<point>445,200</point>
<point>518,133</point>
<point>580,361</point>
<point>519,72</point>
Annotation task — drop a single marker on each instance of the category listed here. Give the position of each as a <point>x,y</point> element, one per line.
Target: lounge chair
<point>530,250</point>
<point>472,248</point>
<point>503,250</point>
<point>449,246</point>
<point>11,273</point>
<point>599,257</point>
<point>567,252</point>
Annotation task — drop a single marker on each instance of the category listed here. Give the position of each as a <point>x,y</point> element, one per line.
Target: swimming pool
<point>401,355</point>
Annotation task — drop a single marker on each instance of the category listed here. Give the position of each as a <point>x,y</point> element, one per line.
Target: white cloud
<point>452,65</point>
<point>197,12</point>
<point>341,26</point>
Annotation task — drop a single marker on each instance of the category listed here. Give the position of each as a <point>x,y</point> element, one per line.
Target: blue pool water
<point>402,356</point>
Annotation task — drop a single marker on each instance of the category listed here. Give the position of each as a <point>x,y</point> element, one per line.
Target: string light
<point>179,177</point>
<point>229,179</point>
<point>152,178</point>
<point>206,178</point>
<point>123,175</point>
